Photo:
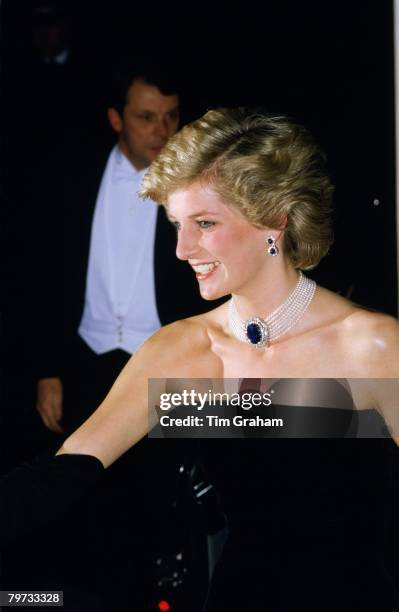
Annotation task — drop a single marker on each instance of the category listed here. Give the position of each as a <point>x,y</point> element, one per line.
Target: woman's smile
<point>205,270</point>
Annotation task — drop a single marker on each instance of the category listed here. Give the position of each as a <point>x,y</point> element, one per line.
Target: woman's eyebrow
<point>199,213</point>
<point>203,212</point>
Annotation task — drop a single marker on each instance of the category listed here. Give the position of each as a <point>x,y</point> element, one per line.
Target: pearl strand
<point>280,321</point>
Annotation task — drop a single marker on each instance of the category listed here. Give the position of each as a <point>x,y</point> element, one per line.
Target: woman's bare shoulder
<point>355,317</point>
<point>365,342</point>
<point>371,325</point>
<point>183,348</point>
<point>374,338</point>
<point>190,333</point>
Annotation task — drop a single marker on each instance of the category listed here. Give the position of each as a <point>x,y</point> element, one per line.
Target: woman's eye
<point>205,224</point>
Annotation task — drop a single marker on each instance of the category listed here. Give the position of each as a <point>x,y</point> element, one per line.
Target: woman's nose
<point>187,244</point>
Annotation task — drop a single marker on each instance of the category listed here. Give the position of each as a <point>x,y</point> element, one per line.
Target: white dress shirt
<point>120,307</point>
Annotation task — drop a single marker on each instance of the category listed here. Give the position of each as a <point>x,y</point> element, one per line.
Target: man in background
<point>122,280</point>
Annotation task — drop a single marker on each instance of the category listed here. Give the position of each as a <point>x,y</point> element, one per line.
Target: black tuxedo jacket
<point>65,243</point>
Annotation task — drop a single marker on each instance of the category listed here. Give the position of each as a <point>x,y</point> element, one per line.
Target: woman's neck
<point>266,294</point>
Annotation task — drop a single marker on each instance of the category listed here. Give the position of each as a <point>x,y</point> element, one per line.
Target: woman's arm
<point>40,491</point>
<point>124,417</point>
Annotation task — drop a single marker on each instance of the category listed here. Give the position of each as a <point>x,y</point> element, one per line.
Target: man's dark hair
<point>153,73</point>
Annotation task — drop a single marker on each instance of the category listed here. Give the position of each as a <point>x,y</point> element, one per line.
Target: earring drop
<point>272,246</point>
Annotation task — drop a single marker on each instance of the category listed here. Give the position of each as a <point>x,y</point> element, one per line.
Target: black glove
<point>41,490</point>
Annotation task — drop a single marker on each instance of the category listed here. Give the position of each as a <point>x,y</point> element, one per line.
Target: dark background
<point>329,64</point>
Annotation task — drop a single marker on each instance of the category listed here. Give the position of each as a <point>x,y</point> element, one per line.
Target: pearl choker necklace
<point>260,332</point>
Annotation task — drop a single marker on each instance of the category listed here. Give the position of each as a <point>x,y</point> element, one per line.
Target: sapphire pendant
<point>256,332</point>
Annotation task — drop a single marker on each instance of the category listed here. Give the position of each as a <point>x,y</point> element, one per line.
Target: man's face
<point>149,119</point>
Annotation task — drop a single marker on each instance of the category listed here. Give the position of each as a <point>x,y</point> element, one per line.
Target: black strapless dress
<point>305,519</point>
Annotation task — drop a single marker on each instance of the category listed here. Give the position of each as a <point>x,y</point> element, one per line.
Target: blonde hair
<point>268,167</point>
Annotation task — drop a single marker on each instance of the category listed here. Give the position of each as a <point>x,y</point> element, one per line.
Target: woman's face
<point>227,254</point>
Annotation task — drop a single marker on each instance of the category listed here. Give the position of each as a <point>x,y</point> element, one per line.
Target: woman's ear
<point>283,224</point>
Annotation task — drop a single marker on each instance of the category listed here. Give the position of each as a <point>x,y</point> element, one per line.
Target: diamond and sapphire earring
<point>272,246</point>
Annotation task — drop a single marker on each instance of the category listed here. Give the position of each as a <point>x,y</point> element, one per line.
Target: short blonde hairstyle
<point>268,167</point>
